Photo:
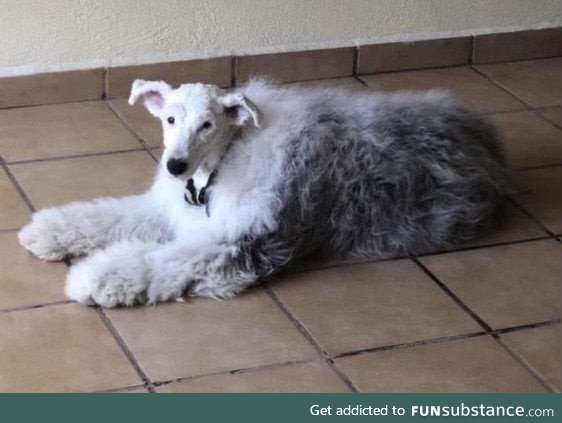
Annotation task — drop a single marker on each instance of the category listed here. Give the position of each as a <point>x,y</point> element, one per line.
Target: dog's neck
<point>196,187</point>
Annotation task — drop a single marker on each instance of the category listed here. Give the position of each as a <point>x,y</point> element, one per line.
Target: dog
<point>256,177</point>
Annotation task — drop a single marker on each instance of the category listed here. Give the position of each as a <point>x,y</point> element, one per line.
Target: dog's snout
<point>176,166</point>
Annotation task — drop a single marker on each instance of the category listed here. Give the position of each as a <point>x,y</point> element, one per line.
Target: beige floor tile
<point>60,348</point>
<point>509,285</point>
<point>371,305</point>
<point>207,336</point>
<point>541,348</point>
<point>59,181</point>
<point>529,141</point>
<point>467,365</point>
<point>537,82</point>
<point>13,210</point>
<point>142,122</point>
<point>474,89</point>
<point>61,130</point>
<point>553,114</point>
<point>307,377</point>
<point>347,83</point>
<point>26,280</point>
<point>538,191</point>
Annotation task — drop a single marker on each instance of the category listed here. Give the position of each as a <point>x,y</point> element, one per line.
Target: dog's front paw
<point>46,236</point>
<point>109,278</point>
<point>168,275</point>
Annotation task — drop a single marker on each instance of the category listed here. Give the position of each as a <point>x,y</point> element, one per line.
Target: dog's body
<point>295,172</point>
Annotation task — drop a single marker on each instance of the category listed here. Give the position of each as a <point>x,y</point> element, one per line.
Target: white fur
<point>151,247</point>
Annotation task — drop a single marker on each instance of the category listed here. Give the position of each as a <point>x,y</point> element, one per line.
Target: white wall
<point>44,35</point>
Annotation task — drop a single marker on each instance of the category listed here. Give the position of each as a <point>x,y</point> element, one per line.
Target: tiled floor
<point>485,317</point>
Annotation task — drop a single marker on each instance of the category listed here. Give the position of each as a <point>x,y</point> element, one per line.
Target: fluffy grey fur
<point>397,174</point>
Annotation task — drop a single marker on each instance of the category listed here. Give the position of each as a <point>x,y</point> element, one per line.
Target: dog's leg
<point>211,270</point>
<point>78,228</point>
<point>134,272</point>
<point>217,271</point>
<point>117,275</point>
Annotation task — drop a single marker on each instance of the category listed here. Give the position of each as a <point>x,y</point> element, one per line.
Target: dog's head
<point>198,122</point>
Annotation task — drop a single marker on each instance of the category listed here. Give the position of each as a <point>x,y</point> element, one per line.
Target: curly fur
<point>297,171</point>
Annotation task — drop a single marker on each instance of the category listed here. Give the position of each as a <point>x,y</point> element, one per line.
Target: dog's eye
<point>206,125</point>
<point>171,120</point>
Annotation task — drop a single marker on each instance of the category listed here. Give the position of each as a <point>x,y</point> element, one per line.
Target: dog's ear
<point>240,109</point>
<point>153,94</point>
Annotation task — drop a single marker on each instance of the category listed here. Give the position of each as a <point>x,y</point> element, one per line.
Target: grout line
<point>310,338</point>
<point>122,389</point>
<point>333,78</point>
<point>546,166</point>
<point>500,112</point>
<point>128,353</point>
<point>34,306</point>
<point>412,344</point>
<point>232,372</point>
<point>18,187</point>
<point>472,50</point>
<point>9,230</point>
<point>296,81</point>
<point>521,59</point>
<point>458,65</point>
<point>233,67</point>
<point>74,156</point>
<point>295,321</point>
<point>531,216</point>
<point>357,78</point>
<point>478,247</point>
<point>452,295</point>
<point>269,366</point>
<point>526,365</point>
<point>451,338</point>
<point>49,104</point>
<point>342,375</point>
<point>527,326</point>
<point>143,142</point>
<point>497,84</point>
<point>355,61</point>
<point>545,119</point>
<point>105,93</point>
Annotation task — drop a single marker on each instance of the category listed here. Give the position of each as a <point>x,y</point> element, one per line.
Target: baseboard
<point>115,82</point>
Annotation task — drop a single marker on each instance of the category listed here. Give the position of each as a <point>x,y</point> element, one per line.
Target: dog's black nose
<point>176,166</point>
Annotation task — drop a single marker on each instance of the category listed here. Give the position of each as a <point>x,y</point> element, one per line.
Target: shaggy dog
<point>254,178</point>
